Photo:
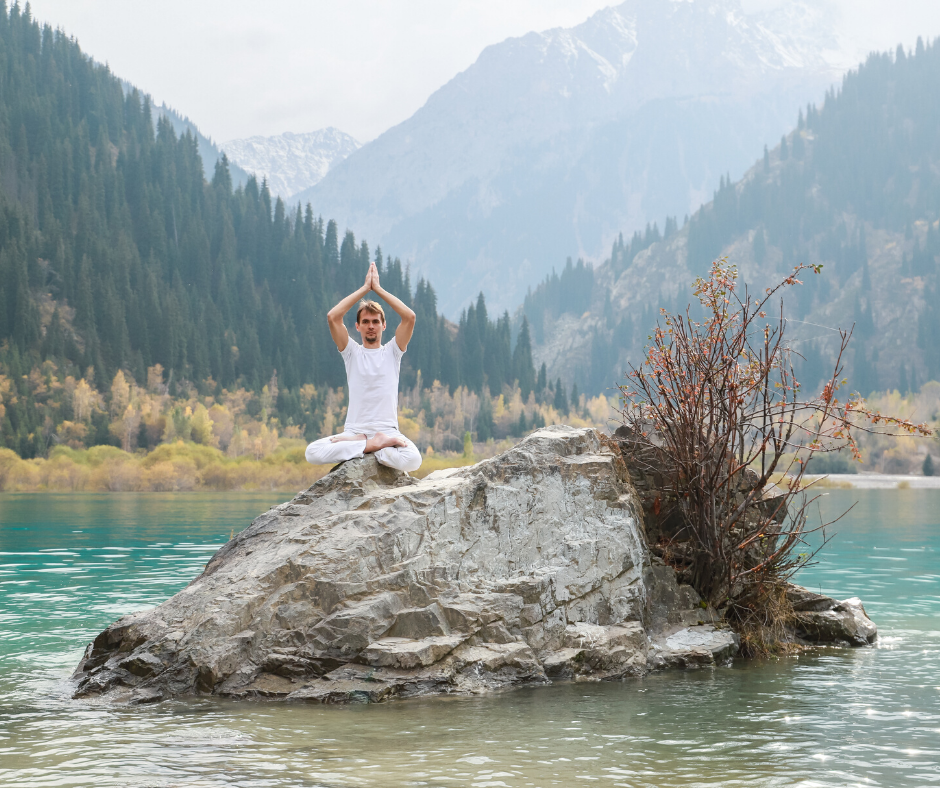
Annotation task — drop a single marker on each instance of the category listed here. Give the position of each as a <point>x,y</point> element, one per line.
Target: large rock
<point>370,585</point>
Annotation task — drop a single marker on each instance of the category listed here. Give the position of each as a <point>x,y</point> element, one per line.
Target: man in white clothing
<point>372,371</point>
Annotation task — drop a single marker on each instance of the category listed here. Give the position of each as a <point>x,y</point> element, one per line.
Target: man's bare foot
<point>344,437</point>
<point>382,441</point>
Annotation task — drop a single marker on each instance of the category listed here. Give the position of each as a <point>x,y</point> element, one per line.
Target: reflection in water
<point>69,565</point>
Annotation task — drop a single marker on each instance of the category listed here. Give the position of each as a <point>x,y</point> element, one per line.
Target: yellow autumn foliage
<point>174,467</point>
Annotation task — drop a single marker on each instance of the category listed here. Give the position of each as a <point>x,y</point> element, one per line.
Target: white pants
<point>402,458</point>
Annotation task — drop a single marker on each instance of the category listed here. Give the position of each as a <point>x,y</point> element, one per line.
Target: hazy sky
<point>239,67</point>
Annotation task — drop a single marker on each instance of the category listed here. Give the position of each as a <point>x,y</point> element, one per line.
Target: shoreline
<point>875,481</point>
<point>860,481</point>
<point>181,467</point>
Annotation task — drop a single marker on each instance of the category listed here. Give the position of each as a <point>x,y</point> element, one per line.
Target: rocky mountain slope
<point>291,162</point>
<point>552,143</point>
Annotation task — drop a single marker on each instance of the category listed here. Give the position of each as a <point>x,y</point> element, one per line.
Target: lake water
<point>71,564</point>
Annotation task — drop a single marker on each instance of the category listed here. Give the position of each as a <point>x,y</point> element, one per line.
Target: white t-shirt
<point>372,376</point>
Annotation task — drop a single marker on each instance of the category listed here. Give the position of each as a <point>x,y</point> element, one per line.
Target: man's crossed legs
<point>392,449</point>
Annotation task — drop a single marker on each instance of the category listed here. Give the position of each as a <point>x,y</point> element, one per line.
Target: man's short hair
<point>371,306</point>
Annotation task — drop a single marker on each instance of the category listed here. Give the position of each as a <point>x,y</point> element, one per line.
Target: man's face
<point>370,328</point>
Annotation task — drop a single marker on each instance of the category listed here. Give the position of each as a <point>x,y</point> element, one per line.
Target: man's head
<point>370,323</point>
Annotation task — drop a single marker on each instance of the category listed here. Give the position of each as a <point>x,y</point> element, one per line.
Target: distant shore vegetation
<point>138,437</point>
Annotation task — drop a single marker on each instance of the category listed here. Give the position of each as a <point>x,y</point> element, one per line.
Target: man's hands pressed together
<point>407,326</point>
<point>371,325</point>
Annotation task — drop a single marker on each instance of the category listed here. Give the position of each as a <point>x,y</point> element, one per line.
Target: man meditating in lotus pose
<point>372,374</point>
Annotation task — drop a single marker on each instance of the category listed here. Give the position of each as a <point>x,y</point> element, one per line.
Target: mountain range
<point>291,162</point>
<point>553,143</point>
<point>120,255</point>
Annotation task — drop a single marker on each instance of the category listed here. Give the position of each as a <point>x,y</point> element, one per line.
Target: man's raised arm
<point>407,327</point>
<point>335,316</point>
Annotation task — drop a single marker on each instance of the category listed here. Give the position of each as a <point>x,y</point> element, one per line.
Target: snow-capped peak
<point>291,162</point>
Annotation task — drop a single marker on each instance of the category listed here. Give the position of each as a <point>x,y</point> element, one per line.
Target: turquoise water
<point>69,565</point>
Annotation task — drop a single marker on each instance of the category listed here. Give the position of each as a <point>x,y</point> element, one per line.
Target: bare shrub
<point>716,404</point>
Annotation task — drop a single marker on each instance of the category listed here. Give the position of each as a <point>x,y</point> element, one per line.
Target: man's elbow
<point>409,319</point>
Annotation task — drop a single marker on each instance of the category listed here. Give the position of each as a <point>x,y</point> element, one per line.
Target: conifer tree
<point>485,418</point>
<point>522,367</point>
<point>561,399</point>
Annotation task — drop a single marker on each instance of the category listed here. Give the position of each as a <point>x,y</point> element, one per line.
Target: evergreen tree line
<point>116,253</point>
<point>572,291</point>
<point>576,290</point>
<point>870,151</point>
